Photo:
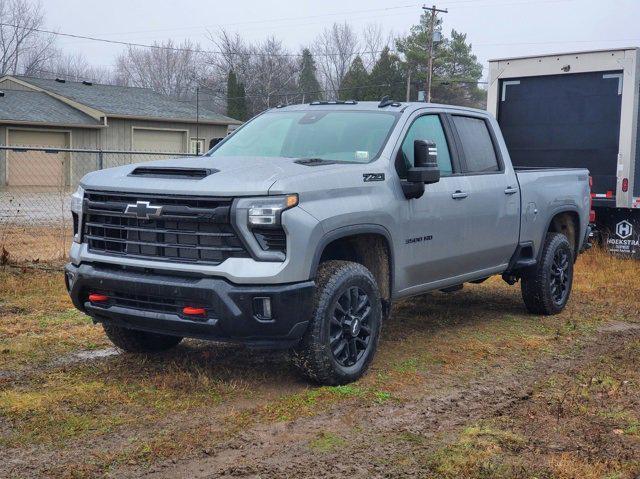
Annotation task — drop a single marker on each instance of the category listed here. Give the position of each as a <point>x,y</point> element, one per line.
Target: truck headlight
<point>267,211</point>
<point>77,200</point>
<point>258,221</point>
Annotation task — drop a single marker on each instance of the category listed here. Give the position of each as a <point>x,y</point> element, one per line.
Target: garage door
<point>159,140</point>
<point>37,168</point>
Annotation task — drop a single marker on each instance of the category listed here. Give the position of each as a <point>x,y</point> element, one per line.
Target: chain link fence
<point>36,184</point>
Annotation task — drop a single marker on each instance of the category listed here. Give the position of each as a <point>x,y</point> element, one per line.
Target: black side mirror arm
<point>412,191</point>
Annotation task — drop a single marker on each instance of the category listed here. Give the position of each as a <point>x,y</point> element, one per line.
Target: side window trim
<point>454,150</point>
<point>448,134</point>
<point>494,141</point>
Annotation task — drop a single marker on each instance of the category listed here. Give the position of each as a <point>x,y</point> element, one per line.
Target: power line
<point>178,49</point>
<point>272,20</point>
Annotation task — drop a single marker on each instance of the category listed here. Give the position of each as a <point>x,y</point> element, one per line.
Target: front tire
<point>546,287</point>
<point>133,341</point>
<point>343,333</point>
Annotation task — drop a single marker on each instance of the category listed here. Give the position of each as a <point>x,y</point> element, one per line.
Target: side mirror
<point>424,171</point>
<point>425,163</point>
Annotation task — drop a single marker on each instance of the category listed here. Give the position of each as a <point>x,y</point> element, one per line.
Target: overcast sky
<point>496,28</point>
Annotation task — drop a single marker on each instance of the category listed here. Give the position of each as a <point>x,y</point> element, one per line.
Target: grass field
<point>464,385</point>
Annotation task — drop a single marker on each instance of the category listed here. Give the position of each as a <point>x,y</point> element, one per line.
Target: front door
<point>434,223</point>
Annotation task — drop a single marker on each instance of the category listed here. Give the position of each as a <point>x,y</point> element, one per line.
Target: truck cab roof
<point>352,105</point>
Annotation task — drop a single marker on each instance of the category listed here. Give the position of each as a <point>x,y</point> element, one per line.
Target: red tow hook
<point>98,298</point>
<point>193,311</point>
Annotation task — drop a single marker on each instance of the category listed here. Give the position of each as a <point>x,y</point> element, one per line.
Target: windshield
<point>349,136</point>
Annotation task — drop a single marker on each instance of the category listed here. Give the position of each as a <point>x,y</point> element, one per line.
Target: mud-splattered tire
<point>343,333</point>
<point>133,341</point>
<point>546,287</point>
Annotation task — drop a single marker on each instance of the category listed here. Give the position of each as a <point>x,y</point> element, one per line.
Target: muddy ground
<point>464,385</point>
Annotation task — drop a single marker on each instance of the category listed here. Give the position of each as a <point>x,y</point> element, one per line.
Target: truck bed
<point>549,190</point>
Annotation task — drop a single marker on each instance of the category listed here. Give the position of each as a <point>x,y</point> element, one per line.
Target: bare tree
<point>275,72</point>
<point>70,67</point>
<point>168,68</point>
<point>373,41</point>
<point>334,50</point>
<point>22,47</point>
<point>267,70</point>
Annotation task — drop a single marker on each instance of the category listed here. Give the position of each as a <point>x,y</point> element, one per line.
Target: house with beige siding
<point>84,115</point>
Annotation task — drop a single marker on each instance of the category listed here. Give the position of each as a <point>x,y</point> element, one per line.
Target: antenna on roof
<point>61,80</point>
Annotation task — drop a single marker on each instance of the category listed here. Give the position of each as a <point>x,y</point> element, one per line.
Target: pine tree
<point>387,78</point>
<point>460,71</point>
<point>355,84</point>
<point>456,70</point>
<point>236,99</point>
<point>308,85</point>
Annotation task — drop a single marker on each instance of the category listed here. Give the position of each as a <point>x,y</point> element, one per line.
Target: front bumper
<point>153,302</point>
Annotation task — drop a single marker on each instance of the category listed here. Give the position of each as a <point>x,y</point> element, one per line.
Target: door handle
<point>510,190</point>
<point>459,195</point>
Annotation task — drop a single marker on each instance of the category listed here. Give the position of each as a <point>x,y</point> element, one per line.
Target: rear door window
<point>477,145</point>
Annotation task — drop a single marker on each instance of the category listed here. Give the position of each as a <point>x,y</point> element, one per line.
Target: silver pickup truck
<point>301,229</point>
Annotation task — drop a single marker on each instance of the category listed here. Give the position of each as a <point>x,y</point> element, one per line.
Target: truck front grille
<point>183,229</point>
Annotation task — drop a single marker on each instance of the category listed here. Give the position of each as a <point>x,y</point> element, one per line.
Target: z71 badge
<point>373,177</point>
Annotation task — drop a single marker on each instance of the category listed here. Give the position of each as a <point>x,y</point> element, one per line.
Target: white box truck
<point>578,110</point>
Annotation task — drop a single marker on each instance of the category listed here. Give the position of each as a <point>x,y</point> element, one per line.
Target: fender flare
<point>559,211</point>
<point>353,230</point>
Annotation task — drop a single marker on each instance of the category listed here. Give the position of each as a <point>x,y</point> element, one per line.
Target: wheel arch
<point>567,222</point>
<point>362,244</point>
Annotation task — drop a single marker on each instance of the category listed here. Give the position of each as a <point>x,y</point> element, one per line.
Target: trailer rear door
<point>570,120</point>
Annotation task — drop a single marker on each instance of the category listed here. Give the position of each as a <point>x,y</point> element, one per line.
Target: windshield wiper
<point>314,161</point>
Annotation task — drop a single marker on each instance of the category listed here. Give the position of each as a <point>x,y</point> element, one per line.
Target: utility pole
<point>198,120</point>
<point>432,24</point>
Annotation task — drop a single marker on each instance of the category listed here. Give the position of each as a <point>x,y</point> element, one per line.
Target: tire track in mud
<point>367,433</point>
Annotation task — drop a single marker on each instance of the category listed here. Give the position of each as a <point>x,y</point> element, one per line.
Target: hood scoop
<point>172,172</point>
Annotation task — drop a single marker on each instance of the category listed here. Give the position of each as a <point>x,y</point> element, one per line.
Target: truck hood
<point>229,176</point>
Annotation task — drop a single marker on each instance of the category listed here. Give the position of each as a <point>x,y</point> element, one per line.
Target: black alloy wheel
<point>350,326</point>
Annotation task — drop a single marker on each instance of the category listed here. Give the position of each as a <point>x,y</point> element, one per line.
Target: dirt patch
<point>364,441</point>
<point>464,385</point>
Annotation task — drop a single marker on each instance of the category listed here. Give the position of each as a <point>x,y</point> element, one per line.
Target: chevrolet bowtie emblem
<point>143,210</point>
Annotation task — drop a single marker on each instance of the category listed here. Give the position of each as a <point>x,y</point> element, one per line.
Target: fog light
<point>262,308</point>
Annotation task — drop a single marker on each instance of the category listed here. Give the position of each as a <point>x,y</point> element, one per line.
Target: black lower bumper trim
<point>154,303</point>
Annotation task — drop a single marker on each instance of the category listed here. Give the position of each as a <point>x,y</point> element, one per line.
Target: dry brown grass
<point>26,243</point>
<point>141,409</point>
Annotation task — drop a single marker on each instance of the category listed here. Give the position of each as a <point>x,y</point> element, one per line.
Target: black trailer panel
<point>636,181</point>
<point>570,120</point>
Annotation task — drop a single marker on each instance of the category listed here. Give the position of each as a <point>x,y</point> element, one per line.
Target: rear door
<point>491,227</point>
<point>570,120</point>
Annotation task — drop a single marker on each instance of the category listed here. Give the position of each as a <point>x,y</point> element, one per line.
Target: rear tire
<point>546,287</point>
<point>133,341</point>
<point>343,333</point>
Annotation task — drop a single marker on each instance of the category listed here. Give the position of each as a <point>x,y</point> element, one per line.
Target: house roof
<point>122,101</point>
<point>38,107</point>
